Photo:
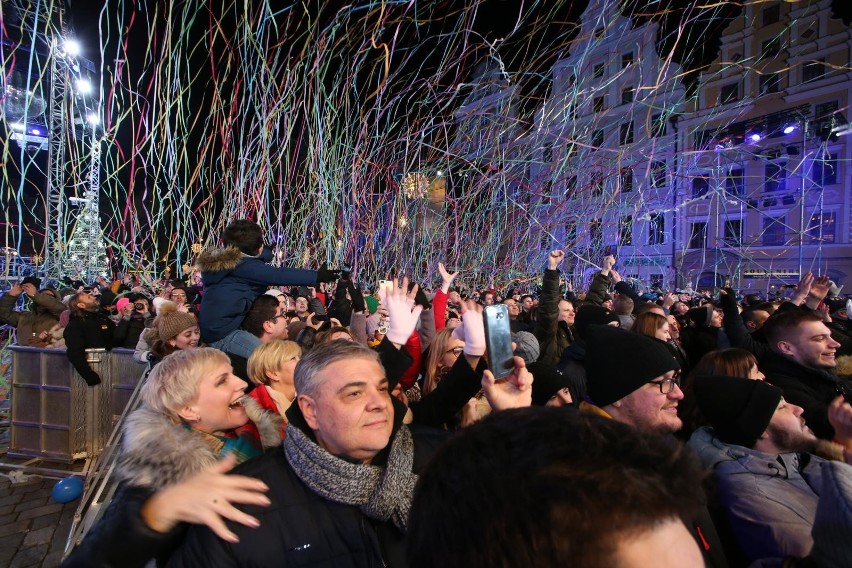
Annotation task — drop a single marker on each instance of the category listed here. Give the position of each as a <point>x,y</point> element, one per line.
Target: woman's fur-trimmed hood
<point>156,452</point>
<point>219,260</point>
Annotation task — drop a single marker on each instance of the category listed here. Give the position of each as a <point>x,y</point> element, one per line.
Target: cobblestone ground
<point>33,527</point>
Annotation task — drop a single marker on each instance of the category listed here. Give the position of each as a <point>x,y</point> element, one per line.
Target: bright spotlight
<point>93,119</point>
<point>18,126</point>
<point>35,131</point>
<point>440,172</point>
<point>790,128</point>
<point>84,86</point>
<point>72,47</point>
<point>755,137</point>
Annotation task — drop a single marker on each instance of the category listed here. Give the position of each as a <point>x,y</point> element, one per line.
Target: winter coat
<point>301,528</point>
<point>554,336</point>
<point>90,330</point>
<point>232,282</point>
<point>573,366</point>
<point>598,289</point>
<point>130,328</point>
<point>29,324</point>
<point>770,499</point>
<point>155,453</point>
<point>811,389</point>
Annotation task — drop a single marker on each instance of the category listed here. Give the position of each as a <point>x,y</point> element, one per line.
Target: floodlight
<point>93,119</point>
<point>72,47</point>
<point>790,128</point>
<point>84,86</point>
<point>755,137</point>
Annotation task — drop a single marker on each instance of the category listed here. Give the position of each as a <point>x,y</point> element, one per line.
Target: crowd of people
<point>301,417</point>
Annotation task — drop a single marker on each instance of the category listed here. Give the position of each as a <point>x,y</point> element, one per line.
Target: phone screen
<point>386,285</point>
<point>498,340</point>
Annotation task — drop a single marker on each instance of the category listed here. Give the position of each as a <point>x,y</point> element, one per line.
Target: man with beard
<point>635,380</point>
<point>88,328</point>
<point>758,449</point>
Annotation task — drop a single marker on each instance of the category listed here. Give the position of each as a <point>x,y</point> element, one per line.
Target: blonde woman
<point>271,368</point>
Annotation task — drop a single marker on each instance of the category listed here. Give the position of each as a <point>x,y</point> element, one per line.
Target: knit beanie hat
<point>526,346</point>
<point>274,292</point>
<point>119,305</point>
<point>590,314</point>
<point>738,409</point>
<point>158,303</point>
<point>171,322</point>
<point>619,362</point>
<point>372,303</point>
<point>547,381</point>
<point>701,316</point>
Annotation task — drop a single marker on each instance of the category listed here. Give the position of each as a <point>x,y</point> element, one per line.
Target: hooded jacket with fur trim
<point>155,453</point>
<point>233,281</point>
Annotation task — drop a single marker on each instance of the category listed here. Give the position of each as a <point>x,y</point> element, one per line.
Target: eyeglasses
<point>667,385</point>
<point>273,318</point>
<point>456,351</point>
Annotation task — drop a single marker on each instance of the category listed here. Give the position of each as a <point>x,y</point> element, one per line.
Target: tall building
<point>604,144</point>
<point>763,183</point>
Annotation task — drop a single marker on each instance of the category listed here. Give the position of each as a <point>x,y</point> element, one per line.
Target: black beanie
<point>619,362</point>
<point>590,314</point>
<point>547,381</point>
<point>738,409</point>
<point>701,316</point>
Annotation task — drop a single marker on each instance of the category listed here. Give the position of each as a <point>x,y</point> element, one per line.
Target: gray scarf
<point>382,493</point>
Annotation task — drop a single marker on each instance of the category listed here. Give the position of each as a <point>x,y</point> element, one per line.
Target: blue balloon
<point>68,489</point>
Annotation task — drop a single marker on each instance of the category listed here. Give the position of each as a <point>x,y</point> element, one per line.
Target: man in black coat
<point>801,361</point>
<point>88,328</point>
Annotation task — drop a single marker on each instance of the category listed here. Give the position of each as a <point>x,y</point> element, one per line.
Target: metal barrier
<point>56,416</point>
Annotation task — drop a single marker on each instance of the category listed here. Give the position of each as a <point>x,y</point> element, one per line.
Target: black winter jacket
<point>554,336</point>
<point>88,331</point>
<point>811,389</point>
<point>301,528</point>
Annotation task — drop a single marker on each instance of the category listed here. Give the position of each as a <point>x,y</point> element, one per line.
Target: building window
<point>658,126</point>
<point>701,138</point>
<point>597,183</point>
<point>596,233</point>
<point>735,183</point>
<point>825,171</point>
<point>769,83</point>
<point>658,174</point>
<point>770,47</point>
<point>813,70</point>
<point>698,236</point>
<point>547,192</point>
<point>570,186</point>
<point>700,186</point>
<point>771,14</point>
<point>733,232</point>
<point>626,59</point>
<point>625,231</point>
<point>775,176</point>
<point>627,95</point>
<point>729,93</point>
<point>598,71</point>
<point>626,134</point>
<point>571,233</point>
<point>774,231</point>
<point>626,180</point>
<point>657,229</point>
<point>598,138</point>
<point>599,104</point>
<point>822,228</point>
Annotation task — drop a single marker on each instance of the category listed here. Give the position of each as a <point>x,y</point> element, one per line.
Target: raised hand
<point>554,259</point>
<point>446,277</point>
<point>403,313</point>
<point>514,391</point>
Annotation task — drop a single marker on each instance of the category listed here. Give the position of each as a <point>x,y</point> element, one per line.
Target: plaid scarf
<point>382,493</point>
<point>241,445</point>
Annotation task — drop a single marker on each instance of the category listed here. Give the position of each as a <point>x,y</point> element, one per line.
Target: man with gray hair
<point>342,485</point>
